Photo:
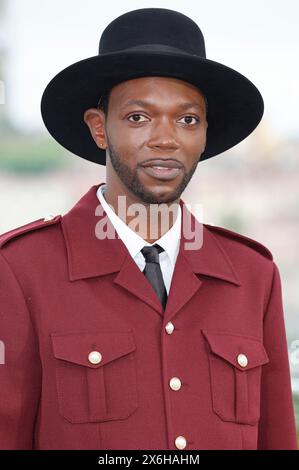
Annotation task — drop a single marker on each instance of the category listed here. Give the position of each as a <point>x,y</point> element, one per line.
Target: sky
<point>260,39</point>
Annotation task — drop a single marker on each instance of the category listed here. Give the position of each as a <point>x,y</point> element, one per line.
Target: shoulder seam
<point>34,225</point>
<point>250,242</point>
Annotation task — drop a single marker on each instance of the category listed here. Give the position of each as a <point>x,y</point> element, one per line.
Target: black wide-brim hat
<point>150,42</point>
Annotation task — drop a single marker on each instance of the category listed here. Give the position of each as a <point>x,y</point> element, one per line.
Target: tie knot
<point>151,253</point>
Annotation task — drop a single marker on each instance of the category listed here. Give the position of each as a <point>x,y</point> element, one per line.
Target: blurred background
<point>252,188</point>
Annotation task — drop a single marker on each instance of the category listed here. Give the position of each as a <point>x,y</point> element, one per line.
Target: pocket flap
<point>231,346</point>
<point>76,347</point>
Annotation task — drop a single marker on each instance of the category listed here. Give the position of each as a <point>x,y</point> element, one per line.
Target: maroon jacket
<point>65,293</point>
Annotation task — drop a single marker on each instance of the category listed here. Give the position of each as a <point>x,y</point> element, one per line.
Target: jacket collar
<point>88,256</point>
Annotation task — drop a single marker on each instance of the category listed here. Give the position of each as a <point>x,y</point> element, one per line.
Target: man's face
<point>149,119</point>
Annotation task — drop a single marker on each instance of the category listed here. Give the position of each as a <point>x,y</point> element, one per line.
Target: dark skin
<point>161,129</point>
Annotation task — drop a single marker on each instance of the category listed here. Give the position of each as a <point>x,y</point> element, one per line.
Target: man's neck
<point>150,221</point>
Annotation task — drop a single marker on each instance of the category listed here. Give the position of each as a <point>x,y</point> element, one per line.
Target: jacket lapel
<point>88,256</point>
<point>209,259</point>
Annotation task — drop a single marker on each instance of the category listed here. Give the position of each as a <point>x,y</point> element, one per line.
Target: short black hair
<point>104,102</point>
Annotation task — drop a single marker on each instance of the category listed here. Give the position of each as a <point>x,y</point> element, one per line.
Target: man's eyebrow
<point>145,103</point>
<point>190,104</point>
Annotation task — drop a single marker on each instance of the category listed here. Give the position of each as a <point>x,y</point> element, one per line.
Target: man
<point>125,335</point>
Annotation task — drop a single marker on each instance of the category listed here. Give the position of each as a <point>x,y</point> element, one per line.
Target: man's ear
<point>95,120</point>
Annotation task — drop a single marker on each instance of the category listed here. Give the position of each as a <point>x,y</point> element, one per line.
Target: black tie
<point>152,271</point>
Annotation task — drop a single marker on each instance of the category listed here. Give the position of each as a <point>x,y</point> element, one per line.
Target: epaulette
<point>34,225</point>
<point>242,238</point>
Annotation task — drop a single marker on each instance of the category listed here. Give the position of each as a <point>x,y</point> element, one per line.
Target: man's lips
<point>168,163</point>
<point>162,169</point>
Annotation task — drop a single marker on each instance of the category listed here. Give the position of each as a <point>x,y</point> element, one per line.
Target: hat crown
<point>153,29</point>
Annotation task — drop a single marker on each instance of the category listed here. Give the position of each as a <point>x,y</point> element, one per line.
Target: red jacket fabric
<point>65,293</point>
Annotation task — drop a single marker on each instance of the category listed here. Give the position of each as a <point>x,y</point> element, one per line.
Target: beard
<point>130,178</point>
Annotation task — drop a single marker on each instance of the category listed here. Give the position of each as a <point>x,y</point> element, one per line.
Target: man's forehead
<point>146,103</point>
<point>141,91</point>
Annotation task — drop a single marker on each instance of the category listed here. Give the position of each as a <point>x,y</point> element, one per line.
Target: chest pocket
<point>95,375</point>
<point>235,364</point>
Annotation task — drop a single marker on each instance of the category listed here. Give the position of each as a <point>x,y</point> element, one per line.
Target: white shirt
<point>170,241</point>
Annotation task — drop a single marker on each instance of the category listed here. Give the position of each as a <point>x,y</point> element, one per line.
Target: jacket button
<point>175,383</point>
<point>169,328</point>
<point>95,357</point>
<point>242,360</point>
<point>180,442</point>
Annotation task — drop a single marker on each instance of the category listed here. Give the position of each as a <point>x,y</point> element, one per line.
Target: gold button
<point>95,357</point>
<point>242,360</point>
<point>49,217</point>
<point>175,383</point>
<point>180,442</point>
<point>169,328</point>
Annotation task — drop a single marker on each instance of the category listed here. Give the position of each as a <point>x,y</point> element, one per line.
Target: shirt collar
<point>88,256</point>
<point>170,241</point>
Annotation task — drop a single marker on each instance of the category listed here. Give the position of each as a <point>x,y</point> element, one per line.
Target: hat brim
<point>235,105</point>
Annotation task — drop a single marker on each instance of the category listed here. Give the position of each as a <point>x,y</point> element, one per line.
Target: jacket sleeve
<point>277,428</point>
<point>20,370</point>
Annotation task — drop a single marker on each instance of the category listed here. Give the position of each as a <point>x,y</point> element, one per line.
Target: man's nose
<point>163,135</point>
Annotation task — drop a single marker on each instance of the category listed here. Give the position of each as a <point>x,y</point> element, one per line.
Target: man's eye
<point>136,116</point>
<point>189,118</point>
